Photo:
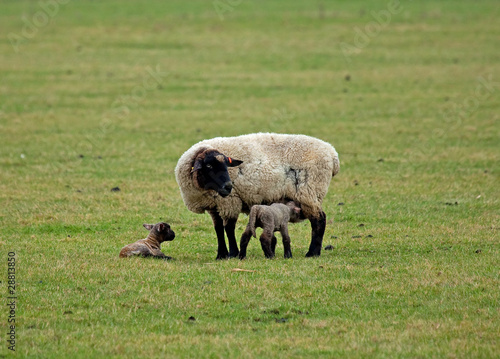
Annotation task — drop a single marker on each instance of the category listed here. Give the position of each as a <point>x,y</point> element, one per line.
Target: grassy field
<point>97,95</point>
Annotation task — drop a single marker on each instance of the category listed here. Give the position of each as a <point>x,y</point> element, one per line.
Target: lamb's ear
<point>197,166</point>
<point>296,210</point>
<point>231,162</point>
<point>161,227</point>
<point>148,226</point>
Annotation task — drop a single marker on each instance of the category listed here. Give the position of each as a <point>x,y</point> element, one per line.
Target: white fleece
<point>275,167</point>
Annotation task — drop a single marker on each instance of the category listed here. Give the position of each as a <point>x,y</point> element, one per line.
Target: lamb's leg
<point>273,244</point>
<point>318,225</point>
<point>266,242</point>
<point>286,242</point>
<point>231,237</point>
<point>159,254</point>
<point>138,250</point>
<point>222,252</point>
<point>245,238</point>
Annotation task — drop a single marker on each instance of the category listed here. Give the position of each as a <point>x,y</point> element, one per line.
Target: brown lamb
<point>151,245</point>
<point>271,219</point>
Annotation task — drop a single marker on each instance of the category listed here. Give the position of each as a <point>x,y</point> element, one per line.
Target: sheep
<point>226,176</point>
<point>150,246</point>
<point>271,219</point>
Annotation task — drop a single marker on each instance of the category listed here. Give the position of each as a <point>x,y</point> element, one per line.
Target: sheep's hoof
<point>234,254</point>
<point>312,254</point>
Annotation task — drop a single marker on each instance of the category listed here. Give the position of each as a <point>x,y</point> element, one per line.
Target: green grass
<point>80,114</point>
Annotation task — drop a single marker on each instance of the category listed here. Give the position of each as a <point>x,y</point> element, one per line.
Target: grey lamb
<point>271,219</point>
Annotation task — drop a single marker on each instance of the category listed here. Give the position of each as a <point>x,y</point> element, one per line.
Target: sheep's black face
<point>210,169</point>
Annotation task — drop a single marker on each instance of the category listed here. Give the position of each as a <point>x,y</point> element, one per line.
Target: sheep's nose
<point>226,189</point>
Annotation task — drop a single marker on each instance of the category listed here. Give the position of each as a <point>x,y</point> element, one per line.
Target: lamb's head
<point>295,212</point>
<point>210,171</point>
<point>161,231</point>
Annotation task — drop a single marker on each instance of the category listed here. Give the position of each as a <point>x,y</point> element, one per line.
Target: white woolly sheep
<point>226,176</point>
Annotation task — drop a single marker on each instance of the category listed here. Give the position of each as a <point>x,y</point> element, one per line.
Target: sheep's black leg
<point>222,252</point>
<point>318,225</point>
<point>245,238</point>
<point>233,246</point>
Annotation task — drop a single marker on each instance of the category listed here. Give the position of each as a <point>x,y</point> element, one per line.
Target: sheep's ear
<point>161,227</point>
<point>231,162</point>
<point>148,226</point>
<point>296,210</point>
<point>197,166</point>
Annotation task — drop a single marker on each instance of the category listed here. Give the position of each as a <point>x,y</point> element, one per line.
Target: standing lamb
<point>226,176</point>
<point>271,219</point>
<point>151,245</point>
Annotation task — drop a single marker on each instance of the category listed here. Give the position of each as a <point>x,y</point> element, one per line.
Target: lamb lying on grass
<point>151,245</point>
<point>271,219</point>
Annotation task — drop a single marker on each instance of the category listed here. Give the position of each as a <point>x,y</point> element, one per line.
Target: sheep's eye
<point>209,166</point>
